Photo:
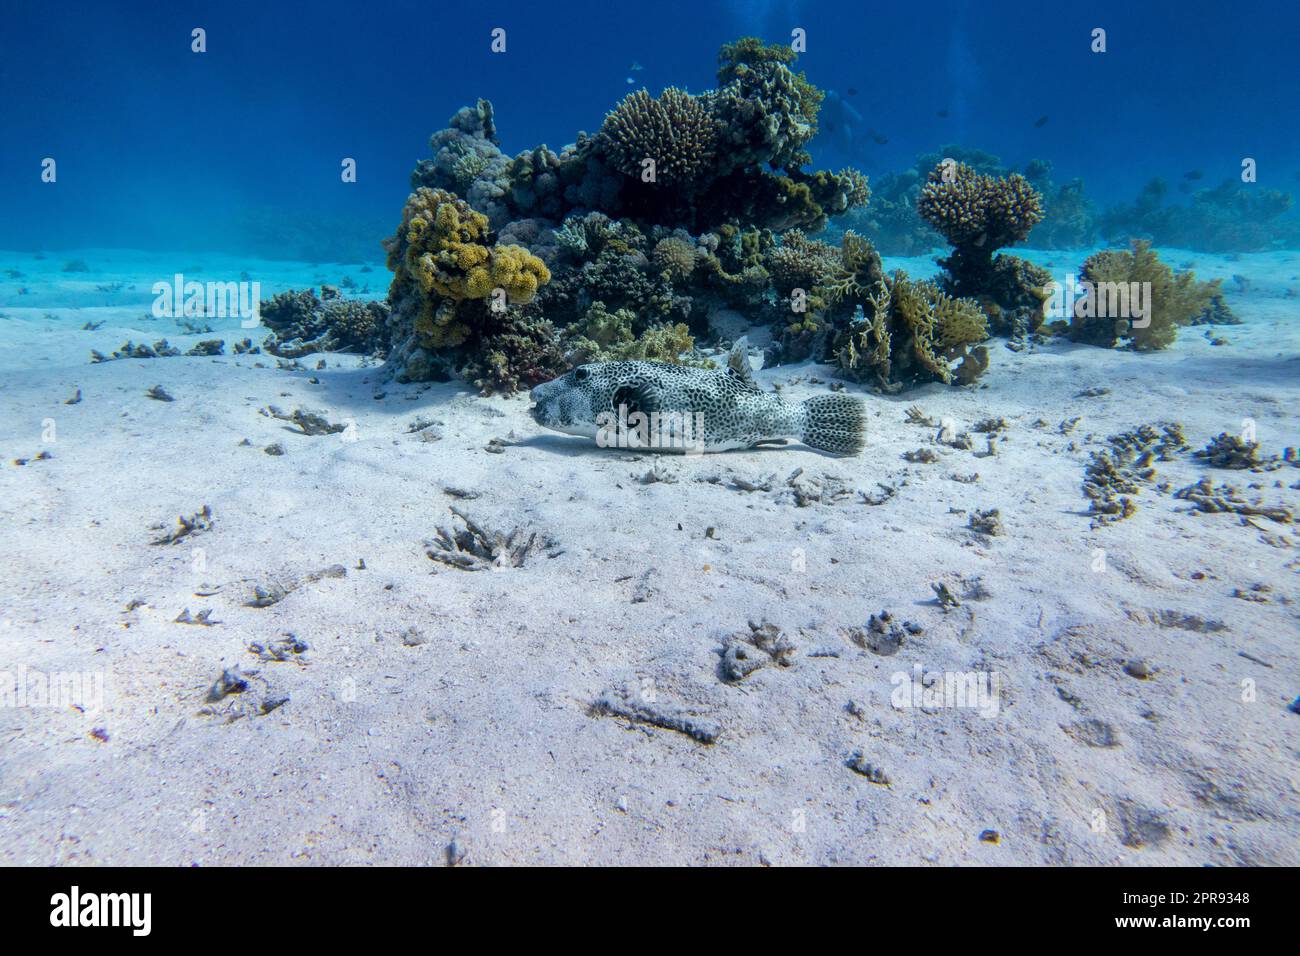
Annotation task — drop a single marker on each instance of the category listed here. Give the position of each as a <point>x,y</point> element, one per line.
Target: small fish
<point>879,138</point>
<point>1040,122</point>
<point>942,114</point>
<point>630,81</point>
<point>656,406</point>
<point>1194,174</point>
<point>635,66</point>
<point>852,91</point>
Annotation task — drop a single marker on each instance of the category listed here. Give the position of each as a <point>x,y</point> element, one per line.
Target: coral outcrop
<point>303,323</point>
<point>979,214</point>
<point>910,332</point>
<point>1121,280</point>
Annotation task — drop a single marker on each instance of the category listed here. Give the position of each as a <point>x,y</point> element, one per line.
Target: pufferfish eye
<point>581,374</point>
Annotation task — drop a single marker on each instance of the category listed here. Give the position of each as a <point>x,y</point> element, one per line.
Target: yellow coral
<point>441,248</point>
<point>858,273</point>
<point>1172,299</point>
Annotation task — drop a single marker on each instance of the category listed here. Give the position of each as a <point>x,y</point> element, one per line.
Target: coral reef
<point>1171,300</point>
<point>684,209</point>
<point>625,241</point>
<point>1230,217</point>
<point>303,323</point>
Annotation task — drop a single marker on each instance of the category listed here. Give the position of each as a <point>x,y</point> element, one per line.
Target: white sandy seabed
<point>441,714</point>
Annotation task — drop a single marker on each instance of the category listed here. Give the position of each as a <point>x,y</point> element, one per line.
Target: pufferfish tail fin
<point>834,423</point>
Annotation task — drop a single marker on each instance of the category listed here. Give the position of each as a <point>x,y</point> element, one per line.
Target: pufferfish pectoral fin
<point>738,364</point>
<point>636,398</point>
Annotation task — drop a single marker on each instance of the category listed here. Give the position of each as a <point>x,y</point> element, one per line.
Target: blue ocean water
<point>238,148</point>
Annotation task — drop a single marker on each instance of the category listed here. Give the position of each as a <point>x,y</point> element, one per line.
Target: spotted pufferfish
<point>656,406</point>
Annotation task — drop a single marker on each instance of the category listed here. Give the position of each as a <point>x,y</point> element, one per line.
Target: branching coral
<point>858,273</point>
<point>1230,451</point>
<point>974,211</point>
<point>676,131</point>
<point>892,221</point>
<point>911,332</point>
<point>607,336</point>
<point>977,214</point>
<point>1118,282</point>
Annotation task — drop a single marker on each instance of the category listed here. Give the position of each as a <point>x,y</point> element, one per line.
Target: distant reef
<point>695,217</point>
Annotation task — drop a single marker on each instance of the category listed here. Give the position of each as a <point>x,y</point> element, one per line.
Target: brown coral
<point>676,130</point>
<point>674,256</point>
<point>971,209</point>
<point>1115,277</point>
<point>911,332</point>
